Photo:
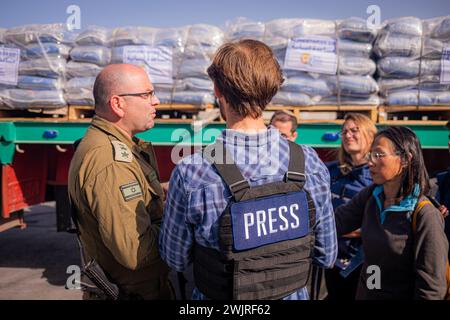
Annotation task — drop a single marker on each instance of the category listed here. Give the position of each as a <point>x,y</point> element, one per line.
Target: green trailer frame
<point>320,135</point>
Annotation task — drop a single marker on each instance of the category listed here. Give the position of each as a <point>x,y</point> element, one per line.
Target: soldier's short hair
<point>247,74</point>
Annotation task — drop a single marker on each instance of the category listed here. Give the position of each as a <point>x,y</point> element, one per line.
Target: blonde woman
<point>349,175</point>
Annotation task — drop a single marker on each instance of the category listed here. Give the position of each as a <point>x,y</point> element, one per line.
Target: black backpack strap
<point>296,169</point>
<point>218,155</point>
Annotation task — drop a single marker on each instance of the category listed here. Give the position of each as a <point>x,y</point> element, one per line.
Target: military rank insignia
<point>121,152</point>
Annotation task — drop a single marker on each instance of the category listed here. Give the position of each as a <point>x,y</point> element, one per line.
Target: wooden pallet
<point>34,114</point>
<point>169,112</point>
<point>81,113</point>
<point>428,115</point>
<point>323,113</point>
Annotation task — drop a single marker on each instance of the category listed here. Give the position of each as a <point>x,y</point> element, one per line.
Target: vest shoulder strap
<point>296,169</point>
<point>220,158</point>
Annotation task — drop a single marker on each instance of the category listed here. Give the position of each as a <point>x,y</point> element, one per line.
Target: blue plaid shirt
<point>198,196</point>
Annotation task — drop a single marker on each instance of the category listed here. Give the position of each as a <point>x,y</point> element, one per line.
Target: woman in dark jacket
<point>399,263</point>
<point>349,175</point>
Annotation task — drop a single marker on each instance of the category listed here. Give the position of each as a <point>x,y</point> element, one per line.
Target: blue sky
<point>175,13</point>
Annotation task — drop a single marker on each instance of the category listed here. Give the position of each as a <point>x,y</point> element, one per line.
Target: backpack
<point>419,206</point>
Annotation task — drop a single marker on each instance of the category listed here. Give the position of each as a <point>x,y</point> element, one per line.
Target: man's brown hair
<point>285,116</point>
<point>247,74</point>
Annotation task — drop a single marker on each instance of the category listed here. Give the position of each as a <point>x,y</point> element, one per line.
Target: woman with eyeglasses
<point>400,262</point>
<point>349,175</point>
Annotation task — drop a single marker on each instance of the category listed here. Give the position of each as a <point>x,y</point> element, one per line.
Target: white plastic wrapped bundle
<point>24,35</point>
<point>194,68</point>
<point>353,86</point>
<point>352,49</point>
<point>243,28</point>
<point>279,31</point>
<point>164,97</point>
<point>303,83</point>
<point>178,85</point>
<point>171,37</point>
<point>359,101</point>
<point>291,98</point>
<point>201,44</point>
<point>98,55</point>
<point>79,91</point>
<point>158,51</point>
<point>193,97</point>
<point>349,65</point>
<point>411,97</point>
<point>24,99</point>
<point>91,53</point>
<point>198,84</point>
<point>50,68</point>
<point>80,83</point>
<point>128,36</point>
<point>94,36</point>
<point>356,29</point>
<point>82,69</point>
<point>410,66</point>
<point>430,83</point>
<point>80,97</point>
<point>41,70</point>
<point>438,28</point>
<point>39,83</point>
<point>403,67</point>
<point>45,50</point>
<point>355,49</point>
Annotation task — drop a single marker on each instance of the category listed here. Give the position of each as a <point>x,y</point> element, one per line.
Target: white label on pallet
<point>445,66</point>
<point>9,65</point>
<point>312,54</point>
<point>157,61</point>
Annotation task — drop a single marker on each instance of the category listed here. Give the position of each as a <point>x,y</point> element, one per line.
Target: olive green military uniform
<point>114,186</point>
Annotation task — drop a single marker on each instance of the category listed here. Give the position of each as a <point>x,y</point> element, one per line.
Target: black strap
<point>296,169</point>
<point>218,155</point>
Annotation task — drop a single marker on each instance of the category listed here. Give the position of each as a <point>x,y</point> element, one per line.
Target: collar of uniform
<point>113,130</point>
<point>240,138</point>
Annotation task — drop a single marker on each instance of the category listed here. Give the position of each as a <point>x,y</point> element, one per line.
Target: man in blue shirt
<point>246,76</point>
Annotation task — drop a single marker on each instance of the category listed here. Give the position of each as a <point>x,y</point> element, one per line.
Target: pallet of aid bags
<point>322,113</point>
<point>410,115</point>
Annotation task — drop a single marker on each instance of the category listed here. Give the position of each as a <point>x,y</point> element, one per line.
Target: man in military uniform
<point>114,185</point>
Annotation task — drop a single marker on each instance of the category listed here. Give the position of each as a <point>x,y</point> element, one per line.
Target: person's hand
<point>165,186</point>
<point>353,234</point>
<point>444,211</point>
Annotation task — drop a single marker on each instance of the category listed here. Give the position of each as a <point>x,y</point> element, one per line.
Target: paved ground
<point>34,261</point>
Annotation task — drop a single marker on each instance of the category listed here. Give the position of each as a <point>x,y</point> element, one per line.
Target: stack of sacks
<point>243,28</point>
<point>43,53</point>
<point>350,83</point>
<point>158,51</point>
<point>196,87</point>
<point>410,57</point>
<point>90,54</point>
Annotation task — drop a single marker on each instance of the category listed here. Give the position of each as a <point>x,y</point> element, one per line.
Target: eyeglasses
<point>376,156</point>
<point>144,95</point>
<point>353,131</point>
